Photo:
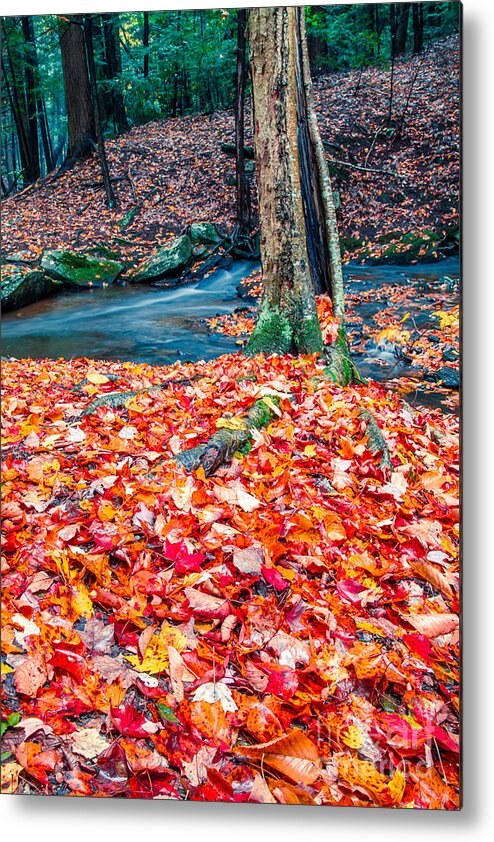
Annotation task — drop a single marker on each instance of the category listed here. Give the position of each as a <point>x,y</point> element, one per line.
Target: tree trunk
<point>287,321</point>
<point>402,28</point>
<point>243,193</point>
<point>113,68</point>
<point>88,35</point>
<point>30,66</point>
<point>80,116</point>
<point>145,44</point>
<point>418,27</point>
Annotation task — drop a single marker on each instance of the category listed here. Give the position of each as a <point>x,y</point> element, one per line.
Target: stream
<point>160,325</point>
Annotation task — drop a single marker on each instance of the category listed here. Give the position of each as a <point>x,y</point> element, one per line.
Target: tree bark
<point>145,44</point>
<point>287,321</point>
<point>80,115</point>
<point>30,65</point>
<point>402,28</point>
<point>113,68</point>
<point>418,27</point>
<point>88,35</point>
<point>242,185</point>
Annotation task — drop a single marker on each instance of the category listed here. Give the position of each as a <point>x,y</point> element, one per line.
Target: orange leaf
<point>293,754</point>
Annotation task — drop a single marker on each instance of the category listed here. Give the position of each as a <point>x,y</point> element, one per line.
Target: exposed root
<point>114,400</point>
<point>341,367</point>
<point>377,442</point>
<point>235,435</point>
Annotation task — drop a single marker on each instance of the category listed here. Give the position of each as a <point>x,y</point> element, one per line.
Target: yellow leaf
<point>353,737</point>
<point>310,450</point>
<point>156,657</point>
<point>230,423</point>
<point>6,669</point>
<point>96,379</point>
<point>82,603</point>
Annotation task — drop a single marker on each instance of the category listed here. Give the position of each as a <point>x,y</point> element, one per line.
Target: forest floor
<point>286,630</point>
<point>173,170</point>
<point>283,631</point>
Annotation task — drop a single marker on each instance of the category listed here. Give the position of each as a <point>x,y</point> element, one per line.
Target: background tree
<point>242,185</point>
<point>80,116</point>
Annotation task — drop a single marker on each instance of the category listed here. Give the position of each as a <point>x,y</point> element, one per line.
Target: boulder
<point>168,261</point>
<point>78,271</point>
<point>448,377</point>
<point>19,290</point>
<point>205,233</point>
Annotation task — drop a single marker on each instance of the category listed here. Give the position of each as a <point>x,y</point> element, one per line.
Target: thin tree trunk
<point>418,27</point>
<point>392,28</point>
<point>402,28</point>
<point>80,115</point>
<point>88,33</point>
<point>145,44</point>
<point>327,226</point>
<point>30,65</point>
<point>113,68</point>
<point>287,321</point>
<point>243,193</point>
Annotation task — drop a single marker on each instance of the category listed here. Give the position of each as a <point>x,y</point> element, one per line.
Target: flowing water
<point>160,325</point>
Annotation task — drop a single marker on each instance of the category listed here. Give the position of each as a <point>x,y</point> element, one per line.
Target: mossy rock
<point>205,233</point>
<point>78,271</point>
<point>167,262</point>
<point>19,290</point>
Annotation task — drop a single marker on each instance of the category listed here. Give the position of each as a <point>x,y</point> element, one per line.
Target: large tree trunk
<point>243,193</point>
<point>80,117</point>
<point>287,321</point>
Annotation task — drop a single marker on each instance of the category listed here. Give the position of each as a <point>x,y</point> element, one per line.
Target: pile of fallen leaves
<point>283,631</point>
<point>171,172</point>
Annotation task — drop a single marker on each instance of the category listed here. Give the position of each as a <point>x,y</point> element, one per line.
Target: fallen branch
<point>366,169</point>
<point>235,435</point>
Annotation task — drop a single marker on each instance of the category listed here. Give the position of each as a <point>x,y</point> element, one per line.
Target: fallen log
<point>235,435</point>
<point>229,149</point>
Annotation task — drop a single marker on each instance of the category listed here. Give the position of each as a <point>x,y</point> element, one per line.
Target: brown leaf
<point>30,675</point>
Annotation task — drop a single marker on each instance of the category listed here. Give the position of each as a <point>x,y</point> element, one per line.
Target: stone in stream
<point>78,271</point>
<point>205,233</point>
<point>447,376</point>
<point>19,290</point>
<point>168,261</point>
<point>450,354</point>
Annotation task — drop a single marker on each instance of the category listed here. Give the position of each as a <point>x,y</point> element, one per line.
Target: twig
<point>366,169</point>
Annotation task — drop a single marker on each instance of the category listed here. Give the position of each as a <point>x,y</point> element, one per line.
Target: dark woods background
<point>70,81</point>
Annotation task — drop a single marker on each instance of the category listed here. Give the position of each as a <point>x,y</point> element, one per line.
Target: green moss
<point>272,334</point>
<point>341,368</point>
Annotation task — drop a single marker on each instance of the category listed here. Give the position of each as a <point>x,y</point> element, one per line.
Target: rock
<point>336,199</point>
<point>78,271</point>
<point>250,166</point>
<point>168,261</point>
<point>450,354</point>
<point>448,377</point>
<point>19,290</point>
<point>205,233</point>
<point>434,339</point>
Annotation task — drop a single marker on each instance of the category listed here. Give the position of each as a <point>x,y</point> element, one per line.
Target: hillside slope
<point>412,191</point>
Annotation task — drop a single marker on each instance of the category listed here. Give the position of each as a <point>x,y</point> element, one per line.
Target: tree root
<point>114,400</point>
<point>235,435</point>
<point>377,442</point>
<point>341,369</point>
